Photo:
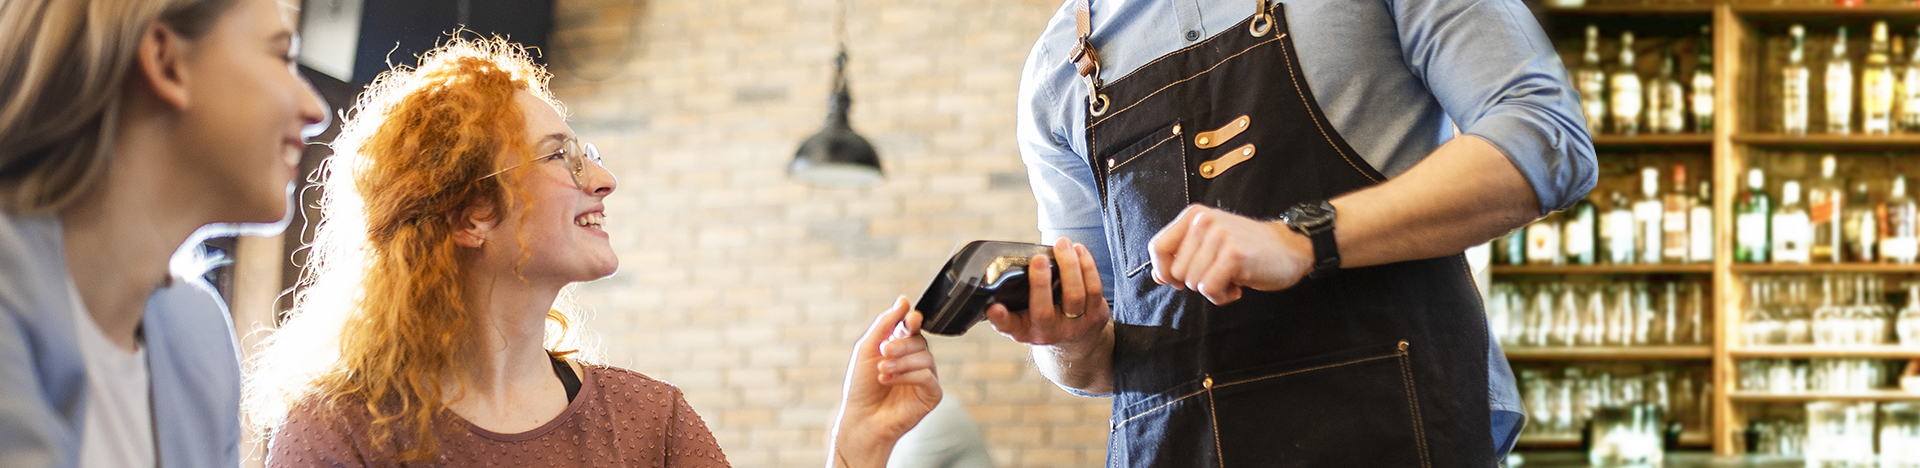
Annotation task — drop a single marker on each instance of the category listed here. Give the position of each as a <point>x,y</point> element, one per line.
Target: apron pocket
<point>1146,189</point>
<point>1351,408</point>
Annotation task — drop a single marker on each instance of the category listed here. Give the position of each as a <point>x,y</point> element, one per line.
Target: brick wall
<point>747,289</point>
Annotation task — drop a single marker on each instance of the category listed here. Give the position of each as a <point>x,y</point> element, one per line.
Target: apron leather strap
<point>1085,60</point>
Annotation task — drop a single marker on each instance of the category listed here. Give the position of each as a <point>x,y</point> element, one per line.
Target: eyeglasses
<point>576,154</point>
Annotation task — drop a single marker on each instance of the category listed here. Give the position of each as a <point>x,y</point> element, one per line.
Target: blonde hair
<point>383,319</point>
<point>67,62</point>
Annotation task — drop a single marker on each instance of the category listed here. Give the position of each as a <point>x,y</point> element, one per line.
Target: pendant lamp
<point>836,157</point>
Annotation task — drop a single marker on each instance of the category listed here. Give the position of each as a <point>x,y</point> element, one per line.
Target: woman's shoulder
<point>617,382</point>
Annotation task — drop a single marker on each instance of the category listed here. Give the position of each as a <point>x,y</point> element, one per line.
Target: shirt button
<point>1193,35</point>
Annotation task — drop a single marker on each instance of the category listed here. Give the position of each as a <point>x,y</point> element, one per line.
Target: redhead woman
<point>458,209</point>
<point>126,126</point>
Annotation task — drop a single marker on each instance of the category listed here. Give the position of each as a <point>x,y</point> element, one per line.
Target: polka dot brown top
<point>620,419</point>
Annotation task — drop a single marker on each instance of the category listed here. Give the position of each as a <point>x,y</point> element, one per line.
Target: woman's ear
<point>161,66</point>
<point>474,226</point>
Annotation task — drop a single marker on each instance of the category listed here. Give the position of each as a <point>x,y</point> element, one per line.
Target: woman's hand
<point>891,385</point>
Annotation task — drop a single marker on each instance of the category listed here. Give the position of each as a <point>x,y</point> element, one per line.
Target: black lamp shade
<point>836,157</point>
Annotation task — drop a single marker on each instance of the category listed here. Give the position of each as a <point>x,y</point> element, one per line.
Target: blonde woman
<point>125,127</point>
<point>459,208</point>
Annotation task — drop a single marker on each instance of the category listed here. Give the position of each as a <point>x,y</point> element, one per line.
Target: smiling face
<point>562,228</point>
<point>240,131</point>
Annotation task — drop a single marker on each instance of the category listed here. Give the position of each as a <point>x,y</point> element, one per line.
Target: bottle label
<point>1700,228</point>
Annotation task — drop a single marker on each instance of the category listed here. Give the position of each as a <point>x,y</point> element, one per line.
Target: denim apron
<point>1382,366</point>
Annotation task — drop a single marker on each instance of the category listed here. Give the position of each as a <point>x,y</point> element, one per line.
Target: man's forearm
<point>1083,367</point>
<point>1462,195</point>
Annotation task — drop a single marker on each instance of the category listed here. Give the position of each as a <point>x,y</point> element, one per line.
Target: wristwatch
<point>1315,220</point>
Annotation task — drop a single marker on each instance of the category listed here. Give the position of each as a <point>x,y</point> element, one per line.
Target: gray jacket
<point>192,358</point>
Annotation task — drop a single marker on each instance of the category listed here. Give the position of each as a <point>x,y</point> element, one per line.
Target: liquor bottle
<point>1513,247</point>
<point>1910,93</point>
<point>1753,214</point>
<point>1839,86</point>
<point>1791,229</point>
<point>1625,98</point>
<point>1876,85</point>
<point>1647,214</point>
<point>1900,238</point>
<point>1577,233</point>
<point>1859,228</point>
<point>1543,241</point>
<point>1665,98</point>
<point>1617,231</point>
<point>1794,78</point>
<point>1673,220</point>
<point>1752,217</point>
<point>1592,82</point>
<point>1825,202</point>
<point>1898,63</point>
<point>1700,225</point>
<point>1907,326</point>
<point>1702,82</point>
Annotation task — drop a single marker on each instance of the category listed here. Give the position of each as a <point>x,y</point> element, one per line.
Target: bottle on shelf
<point>1752,215</point>
<point>1900,238</point>
<point>1794,82</point>
<point>1839,86</point>
<point>1907,325</point>
<point>1648,212</point>
<point>1827,316</point>
<point>1897,62</point>
<point>1617,231</point>
<point>1700,224</point>
<point>1702,82</point>
<point>1625,99</point>
<point>1577,233</point>
<point>1666,98</point>
<point>1592,83</point>
<point>1910,93</point>
<point>1877,85</point>
<point>1792,229</point>
<point>1512,248</point>
<point>1676,211</point>
<point>1859,226</point>
<point>1825,202</point>
<point>1543,241</point>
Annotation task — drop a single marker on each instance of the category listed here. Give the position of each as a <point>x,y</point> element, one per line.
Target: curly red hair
<point>414,154</point>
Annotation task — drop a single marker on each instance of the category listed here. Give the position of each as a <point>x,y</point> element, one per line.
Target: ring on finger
<point>1075,316</point>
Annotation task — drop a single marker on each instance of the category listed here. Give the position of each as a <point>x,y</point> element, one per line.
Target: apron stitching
<point>1213,416</point>
<point>1184,49</point>
<point>1413,404</point>
<point>1136,156</point>
<point>1162,406</point>
<point>1183,80</point>
<point>1309,369</point>
<point>1316,120</point>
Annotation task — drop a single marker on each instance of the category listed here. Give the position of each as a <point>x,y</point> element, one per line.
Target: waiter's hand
<point>891,384</point>
<point>1216,253</point>
<point>1082,314</point>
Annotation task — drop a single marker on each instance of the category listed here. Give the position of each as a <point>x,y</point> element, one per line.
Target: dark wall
<point>398,31</point>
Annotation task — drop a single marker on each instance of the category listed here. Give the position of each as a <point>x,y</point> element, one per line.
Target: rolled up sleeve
<point>1495,72</point>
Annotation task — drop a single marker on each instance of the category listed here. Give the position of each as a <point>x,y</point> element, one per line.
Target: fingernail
<point>889,366</point>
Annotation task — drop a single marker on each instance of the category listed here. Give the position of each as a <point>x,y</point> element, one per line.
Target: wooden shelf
<point>1635,269</point>
<point>1871,395</point>
<point>1692,438</point>
<point>1660,9</point>
<point>1807,351</point>
<point>1606,141</point>
<point>1610,353</point>
<point>1801,12</point>
<point>1765,268</point>
<point>1849,142</point>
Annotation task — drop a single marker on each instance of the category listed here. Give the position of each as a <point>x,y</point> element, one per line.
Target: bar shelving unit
<point>1746,50</point>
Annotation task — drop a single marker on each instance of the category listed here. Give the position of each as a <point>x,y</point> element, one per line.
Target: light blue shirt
<point>1394,78</point>
<point>193,362</point>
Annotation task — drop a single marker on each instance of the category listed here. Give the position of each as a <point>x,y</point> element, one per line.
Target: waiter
<point>1274,198</point>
